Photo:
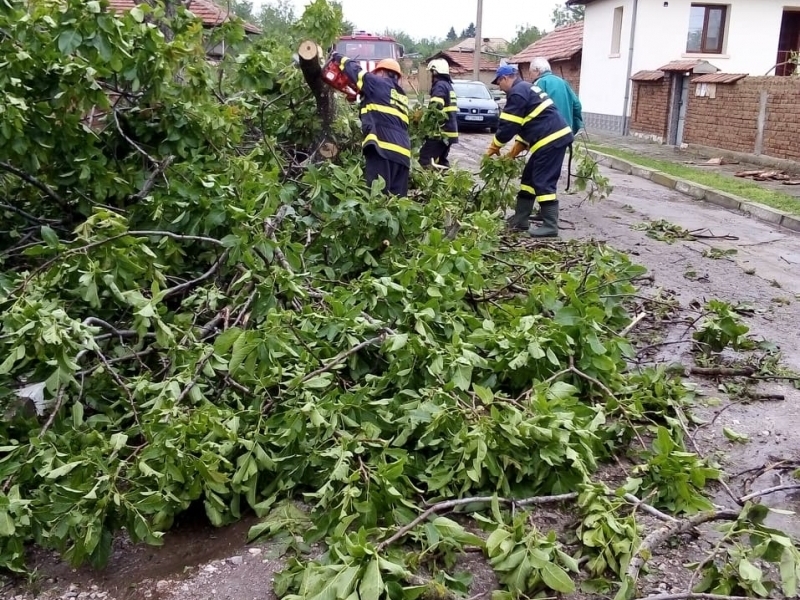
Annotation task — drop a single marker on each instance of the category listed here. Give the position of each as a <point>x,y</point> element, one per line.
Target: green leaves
<point>69,40</point>
<point>527,562</point>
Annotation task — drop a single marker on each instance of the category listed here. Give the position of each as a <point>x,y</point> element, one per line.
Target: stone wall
<point>756,115</point>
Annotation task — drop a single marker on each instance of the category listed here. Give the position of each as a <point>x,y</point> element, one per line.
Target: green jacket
<point>564,98</point>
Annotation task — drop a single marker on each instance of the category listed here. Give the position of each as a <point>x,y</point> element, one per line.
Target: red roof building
<point>563,47</point>
<point>210,13</point>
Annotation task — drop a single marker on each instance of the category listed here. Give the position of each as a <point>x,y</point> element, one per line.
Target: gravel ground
<point>198,562</point>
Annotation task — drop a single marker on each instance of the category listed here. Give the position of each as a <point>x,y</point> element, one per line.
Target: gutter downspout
<point>625,117</point>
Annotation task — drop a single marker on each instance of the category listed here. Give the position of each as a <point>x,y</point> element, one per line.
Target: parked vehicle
<point>476,106</point>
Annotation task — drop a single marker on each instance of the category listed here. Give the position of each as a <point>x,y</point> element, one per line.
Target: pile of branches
<point>194,311</point>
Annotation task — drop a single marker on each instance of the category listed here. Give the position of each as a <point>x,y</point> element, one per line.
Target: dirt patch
<point>200,562</point>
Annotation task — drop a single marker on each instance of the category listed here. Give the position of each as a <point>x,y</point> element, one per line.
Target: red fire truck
<point>368,48</point>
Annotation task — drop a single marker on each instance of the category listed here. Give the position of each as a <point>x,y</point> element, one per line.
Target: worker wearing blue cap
<point>531,118</point>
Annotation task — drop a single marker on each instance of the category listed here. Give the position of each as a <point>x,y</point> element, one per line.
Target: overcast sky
<point>433,18</point>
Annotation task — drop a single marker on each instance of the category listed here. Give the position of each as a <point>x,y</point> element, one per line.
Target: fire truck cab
<point>368,48</point>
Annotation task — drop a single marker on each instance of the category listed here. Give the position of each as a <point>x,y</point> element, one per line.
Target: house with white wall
<point>625,37</point>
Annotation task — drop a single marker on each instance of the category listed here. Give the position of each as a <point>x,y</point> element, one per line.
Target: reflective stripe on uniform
<point>497,143</point>
<point>550,138</point>
<point>385,109</point>
<point>512,118</point>
<point>538,110</point>
<point>546,198</point>
<point>450,134</point>
<point>451,109</point>
<point>437,100</point>
<point>360,82</point>
<point>527,188</point>
<point>387,145</point>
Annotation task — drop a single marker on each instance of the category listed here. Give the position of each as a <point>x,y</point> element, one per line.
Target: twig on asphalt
<point>662,535</point>
<point>773,490</point>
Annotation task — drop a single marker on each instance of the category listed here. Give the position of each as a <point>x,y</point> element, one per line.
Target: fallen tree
<point>193,313</point>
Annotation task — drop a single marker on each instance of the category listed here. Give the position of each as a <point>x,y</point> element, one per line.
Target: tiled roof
<point>463,62</point>
<point>560,44</point>
<point>648,76</point>
<point>719,78</point>
<point>211,14</point>
<point>696,65</point>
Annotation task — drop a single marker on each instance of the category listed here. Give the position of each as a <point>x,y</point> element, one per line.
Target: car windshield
<point>366,50</point>
<point>472,90</point>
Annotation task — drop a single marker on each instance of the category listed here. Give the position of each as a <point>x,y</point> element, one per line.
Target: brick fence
<point>650,109</point>
<point>755,115</point>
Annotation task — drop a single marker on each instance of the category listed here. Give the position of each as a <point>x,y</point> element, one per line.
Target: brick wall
<point>730,120</point>
<point>570,70</point>
<point>650,109</point>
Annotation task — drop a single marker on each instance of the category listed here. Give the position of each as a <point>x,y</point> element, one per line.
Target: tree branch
<point>342,356</point>
<point>450,504</point>
<point>662,535</point>
<point>191,283</point>
<point>34,182</point>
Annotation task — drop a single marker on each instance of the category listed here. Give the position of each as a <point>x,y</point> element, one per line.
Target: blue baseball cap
<point>504,71</point>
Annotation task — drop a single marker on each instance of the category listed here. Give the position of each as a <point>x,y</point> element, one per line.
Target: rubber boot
<point>549,227</point>
<point>522,212</point>
<point>537,216</point>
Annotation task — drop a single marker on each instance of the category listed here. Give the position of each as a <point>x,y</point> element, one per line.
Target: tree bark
<point>310,54</point>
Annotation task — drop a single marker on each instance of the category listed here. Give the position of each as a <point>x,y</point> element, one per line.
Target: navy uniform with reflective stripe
<point>442,93</point>
<point>384,123</point>
<point>436,150</point>
<point>531,117</point>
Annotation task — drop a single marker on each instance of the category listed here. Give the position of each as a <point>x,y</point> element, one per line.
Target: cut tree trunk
<point>310,60</point>
<point>310,64</point>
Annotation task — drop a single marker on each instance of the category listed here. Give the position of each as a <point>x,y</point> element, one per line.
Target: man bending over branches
<point>384,122</point>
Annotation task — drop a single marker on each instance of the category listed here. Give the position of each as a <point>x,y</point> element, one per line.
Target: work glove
<point>517,149</point>
<point>493,150</point>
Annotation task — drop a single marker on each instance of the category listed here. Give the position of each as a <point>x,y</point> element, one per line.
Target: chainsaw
<point>334,77</point>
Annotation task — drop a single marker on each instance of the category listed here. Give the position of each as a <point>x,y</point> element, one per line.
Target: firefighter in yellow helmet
<point>436,150</point>
<point>384,122</point>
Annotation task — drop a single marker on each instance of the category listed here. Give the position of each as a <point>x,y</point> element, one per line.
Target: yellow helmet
<point>390,64</point>
<point>439,66</point>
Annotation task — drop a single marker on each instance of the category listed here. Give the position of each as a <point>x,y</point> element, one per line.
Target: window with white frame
<point>616,32</point>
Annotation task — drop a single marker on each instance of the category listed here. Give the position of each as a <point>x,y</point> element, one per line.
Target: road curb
<point>697,191</point>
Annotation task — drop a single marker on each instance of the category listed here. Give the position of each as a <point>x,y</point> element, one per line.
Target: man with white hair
<point>565,99</point>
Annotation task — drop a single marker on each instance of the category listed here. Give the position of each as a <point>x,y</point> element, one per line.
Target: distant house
<point>462,66</point>
<point>207,11</point>
<point>624,39</point>
<point>563,47</point>
<point>491,45</point>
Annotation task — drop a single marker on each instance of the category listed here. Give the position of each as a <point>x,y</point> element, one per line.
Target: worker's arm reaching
<point>511,120</point>
<point>352,70</point>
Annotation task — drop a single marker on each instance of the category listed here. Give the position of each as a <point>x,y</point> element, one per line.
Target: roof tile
<point>719,78</point>
<point>560,44</point>
<point>463,62</point>
<point>648,76</point>
<point>687,65</point>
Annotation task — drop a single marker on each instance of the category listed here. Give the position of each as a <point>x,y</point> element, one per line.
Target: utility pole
<point>476,55</point>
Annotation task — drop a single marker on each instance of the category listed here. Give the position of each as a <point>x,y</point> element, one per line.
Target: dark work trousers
<point>394,174</point>
<point>434,151</point>
<point>541,174</point>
